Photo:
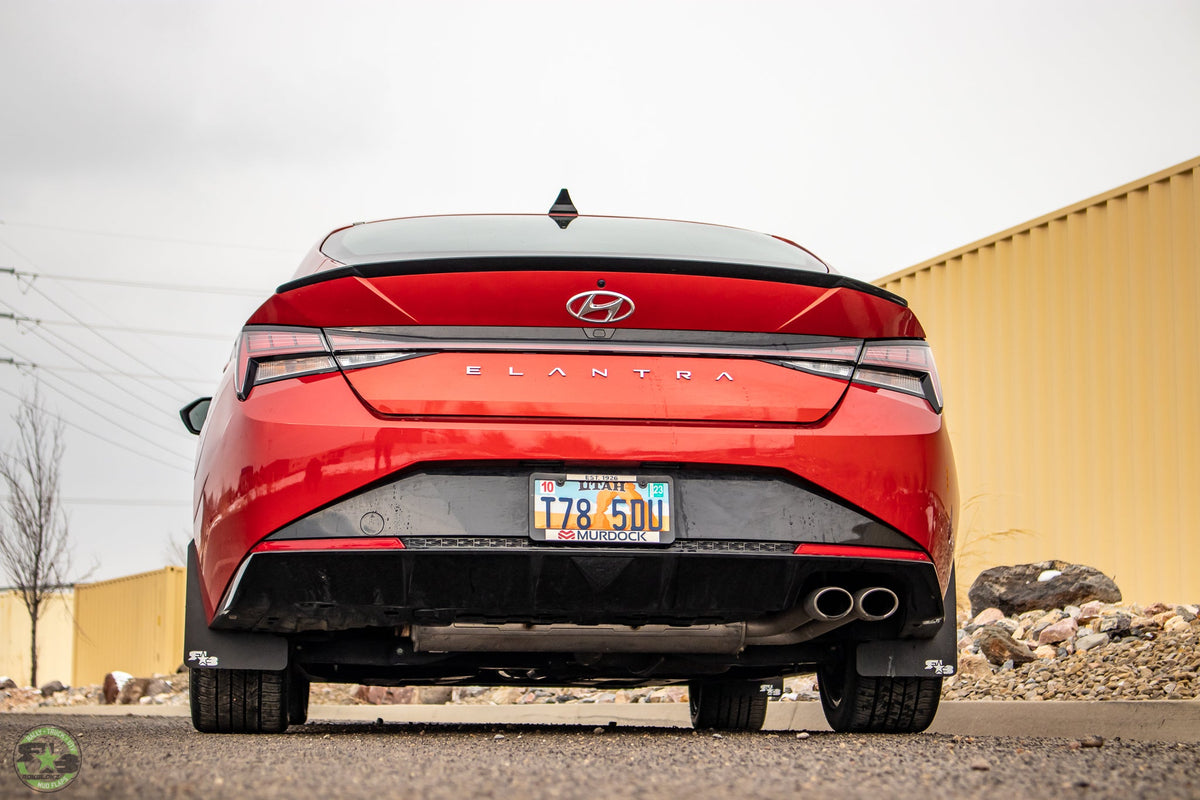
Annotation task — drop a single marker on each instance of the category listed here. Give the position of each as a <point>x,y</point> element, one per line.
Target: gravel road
<point>164,757</point>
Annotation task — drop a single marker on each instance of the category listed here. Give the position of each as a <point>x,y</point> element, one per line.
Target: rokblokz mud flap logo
<point>47,758</point>
<point>939,667</point>
<point>201,658</point>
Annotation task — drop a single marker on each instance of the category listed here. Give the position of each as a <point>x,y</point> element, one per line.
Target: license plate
<point>601,508</point>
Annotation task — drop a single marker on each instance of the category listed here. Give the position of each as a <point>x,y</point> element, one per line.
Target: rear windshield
<point>538,235</point>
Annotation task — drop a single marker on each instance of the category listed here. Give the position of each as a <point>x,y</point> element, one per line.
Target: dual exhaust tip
<point>823,610</point>
<point>835,604</point>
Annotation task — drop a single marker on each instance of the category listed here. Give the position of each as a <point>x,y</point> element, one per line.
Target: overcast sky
<point>210,144</point>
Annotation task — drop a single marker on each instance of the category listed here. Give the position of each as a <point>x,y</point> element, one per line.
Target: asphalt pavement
<point>156,756</point>
<point>1162,721</point>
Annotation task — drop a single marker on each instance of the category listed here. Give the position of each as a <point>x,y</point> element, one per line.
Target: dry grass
<point>973,544</point>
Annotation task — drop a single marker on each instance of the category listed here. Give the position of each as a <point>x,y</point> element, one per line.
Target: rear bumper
<point>688,583</point>
<point>297,446</point>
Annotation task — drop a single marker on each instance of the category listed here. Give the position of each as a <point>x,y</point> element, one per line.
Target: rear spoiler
<point>525,263</point>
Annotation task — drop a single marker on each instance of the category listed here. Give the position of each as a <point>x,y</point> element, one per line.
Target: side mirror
<point>194,414</point>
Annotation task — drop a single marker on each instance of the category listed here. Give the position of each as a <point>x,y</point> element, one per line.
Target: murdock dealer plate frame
<point>601,508</point>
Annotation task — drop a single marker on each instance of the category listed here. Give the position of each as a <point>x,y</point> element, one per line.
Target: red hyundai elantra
<point>572,450</point>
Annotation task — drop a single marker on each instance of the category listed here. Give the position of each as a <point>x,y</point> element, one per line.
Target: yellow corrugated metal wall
<point>56,637</point>
<point>1069,351</point>
<point>133,624</point>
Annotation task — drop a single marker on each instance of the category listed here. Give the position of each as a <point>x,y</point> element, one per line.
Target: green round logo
<point>47,758</point>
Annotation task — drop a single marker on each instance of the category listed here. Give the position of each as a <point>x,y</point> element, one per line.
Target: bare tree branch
<point>34,548</point>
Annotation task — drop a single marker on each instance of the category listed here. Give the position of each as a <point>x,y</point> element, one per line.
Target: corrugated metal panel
<point>1068,349</point>
<point>133,624</point>
<point>56,637</point>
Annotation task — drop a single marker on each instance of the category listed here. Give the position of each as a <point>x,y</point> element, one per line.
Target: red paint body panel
<point>297,445</point>
<point>666,302</point>
<point>600,387</point>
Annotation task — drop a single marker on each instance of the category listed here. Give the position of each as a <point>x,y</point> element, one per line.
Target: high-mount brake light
<point>274,354</point>
<point>902,366</point>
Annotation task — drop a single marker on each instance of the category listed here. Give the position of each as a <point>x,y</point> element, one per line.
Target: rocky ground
<point>1094,652</point>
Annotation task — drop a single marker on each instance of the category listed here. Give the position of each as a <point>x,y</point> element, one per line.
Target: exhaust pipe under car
<point>829,608</point>
<point>823,610</point>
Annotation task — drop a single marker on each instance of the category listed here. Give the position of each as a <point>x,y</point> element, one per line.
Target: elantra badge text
<point>597,372</point>
<point>600,306</point>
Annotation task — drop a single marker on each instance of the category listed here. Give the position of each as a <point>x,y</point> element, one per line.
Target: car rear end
<point>575,450</point>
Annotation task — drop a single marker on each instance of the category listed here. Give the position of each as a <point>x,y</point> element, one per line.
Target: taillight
<point>902,366</point>
<point>357,349</point>
<point>274,354</point>
<point>832,361</point>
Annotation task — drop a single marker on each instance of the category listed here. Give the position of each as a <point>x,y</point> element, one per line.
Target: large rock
<point>114,682</point>
<point>1044,585</point>
<point>996,644</point>
<point>136,688</point>
<point>52,687</point>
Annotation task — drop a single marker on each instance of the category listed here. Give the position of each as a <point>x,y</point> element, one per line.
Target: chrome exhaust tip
<point>875,603</point>
<point>830,604</point>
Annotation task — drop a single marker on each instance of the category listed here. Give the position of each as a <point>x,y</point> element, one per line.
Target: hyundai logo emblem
<point>600,306</point>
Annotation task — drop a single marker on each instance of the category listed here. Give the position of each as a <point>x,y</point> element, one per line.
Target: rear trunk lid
<point>605,318</point>
<point>684,344</point>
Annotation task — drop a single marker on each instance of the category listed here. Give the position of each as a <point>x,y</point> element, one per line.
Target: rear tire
<point>727,705</point>
<point>239,701</point>
<point>856,704</point>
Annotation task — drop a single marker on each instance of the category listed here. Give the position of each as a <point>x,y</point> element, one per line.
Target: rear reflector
<point>857,551</point>
<point>303,545</point>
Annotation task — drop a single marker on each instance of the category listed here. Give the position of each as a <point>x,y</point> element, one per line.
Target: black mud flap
<point>916,658</point>
<point>205,648</point>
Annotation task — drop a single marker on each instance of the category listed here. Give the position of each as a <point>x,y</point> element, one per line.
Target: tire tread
<point>881,704</point>
<point>239,701</point>
<point>728,705</point>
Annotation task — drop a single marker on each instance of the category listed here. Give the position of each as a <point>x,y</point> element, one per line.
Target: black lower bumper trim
<point>294,592</point>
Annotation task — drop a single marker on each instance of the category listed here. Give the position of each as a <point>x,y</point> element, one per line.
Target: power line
<point>107,419</point>
<point>94,396</point>
<point>149,341</point>
<point>104,439</point>
<point>41,334</point>
<point>157,285</point>
<point>104,338</point>
<point>145,238</point>
<point>28,277</point>
<point>119,328</point>
<point>89,371</point>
